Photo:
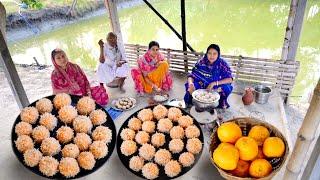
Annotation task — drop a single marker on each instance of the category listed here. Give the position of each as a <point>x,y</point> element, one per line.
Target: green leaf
<point>33,4</point>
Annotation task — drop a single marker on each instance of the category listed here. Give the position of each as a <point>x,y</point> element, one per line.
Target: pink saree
<point>72,80</point>
<point>159,75</point>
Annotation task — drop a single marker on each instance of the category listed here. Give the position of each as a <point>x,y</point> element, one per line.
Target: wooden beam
<point>2,19</point>
<point>293,29</point>
<point>306,135</point>
<point>287,37</point>
<point>183,25</point>
<point>296,31</point>
<point>9,67</point>
<point>167,23</point>
<point>111,5</point>
<point>183,32</point>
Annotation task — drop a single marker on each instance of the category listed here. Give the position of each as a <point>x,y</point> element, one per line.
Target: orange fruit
<point>248,148</point>
<point>229,132</point>
<point>259,133</point>
<point>260,168</point>
<point>273,147</point>
<point>226,156</point>
<point>260,154</point>
<point>242,169</point>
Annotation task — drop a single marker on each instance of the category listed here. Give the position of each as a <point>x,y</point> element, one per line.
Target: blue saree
<point>205,73</point>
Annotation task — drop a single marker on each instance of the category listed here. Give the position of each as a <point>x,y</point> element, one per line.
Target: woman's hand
<point>211,86</point>
<point>101,43</point>
<point>191,88</point>
<point>144,73</point>
<point>158,90</point>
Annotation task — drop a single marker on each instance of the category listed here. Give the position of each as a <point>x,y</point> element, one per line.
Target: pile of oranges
<point>246,156</point>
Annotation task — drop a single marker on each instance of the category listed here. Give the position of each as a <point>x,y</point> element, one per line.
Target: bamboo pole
<point>312,161</point>
<point>293,29</point>
<point>287,37</point>
<point>183,25</point>
<point>184,35</point>
<point>8,65</point>
<point>2,19</point>
<point>306,134</point>
<point>296,30</point>
<point>111,5</point>
<point>167,23</point>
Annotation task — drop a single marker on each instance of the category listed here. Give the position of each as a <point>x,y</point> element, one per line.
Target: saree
<point>72,80</point>
<point>205,73</point>
<point>156,72</point>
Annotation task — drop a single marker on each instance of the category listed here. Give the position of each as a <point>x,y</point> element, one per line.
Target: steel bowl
<point>203,104</point>
<point>262,94</point>
<point>164,95</point>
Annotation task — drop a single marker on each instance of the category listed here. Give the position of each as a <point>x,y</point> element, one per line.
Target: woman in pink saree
<point>68,77</point>
<point>152,72</point>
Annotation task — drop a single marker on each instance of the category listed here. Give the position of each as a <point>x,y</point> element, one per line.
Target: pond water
<point>246,27</point>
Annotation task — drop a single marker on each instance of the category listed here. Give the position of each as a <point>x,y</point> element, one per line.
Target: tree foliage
<point>33,4</point>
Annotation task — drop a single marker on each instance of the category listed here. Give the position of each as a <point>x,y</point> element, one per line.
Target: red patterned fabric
<point>99,94</point>
<point>72,80</point>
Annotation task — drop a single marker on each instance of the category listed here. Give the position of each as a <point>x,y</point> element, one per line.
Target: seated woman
<point>210,72</point>
<point>113,68</point>
<point>68,77</point>
<point>152,73</point>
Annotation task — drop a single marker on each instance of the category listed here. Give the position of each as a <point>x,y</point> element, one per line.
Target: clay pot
<point>248,97</point>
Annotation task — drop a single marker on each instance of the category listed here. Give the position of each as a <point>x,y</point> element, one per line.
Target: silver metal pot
<point>262,94</point>
<point>204,105</point>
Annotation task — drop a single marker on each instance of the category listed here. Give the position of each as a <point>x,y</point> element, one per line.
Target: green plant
<point>33,4</point>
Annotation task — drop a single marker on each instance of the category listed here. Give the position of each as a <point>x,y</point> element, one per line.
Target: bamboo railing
<point>273,73</point>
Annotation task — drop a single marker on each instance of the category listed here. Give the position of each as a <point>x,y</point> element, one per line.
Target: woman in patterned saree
<point>68,77</point>
<point>152,73</point>
<point>210,72</point>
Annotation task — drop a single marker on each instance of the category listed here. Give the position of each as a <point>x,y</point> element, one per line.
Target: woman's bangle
<point>217,83</point>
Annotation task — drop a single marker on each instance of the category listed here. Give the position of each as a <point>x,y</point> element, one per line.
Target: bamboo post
<point>9,67</point>
<point>167,23</point>
<point>312,160</point>
<point>184,35</point>
<point>168,55</point>
<point>3,19</point>
<point>183,26</point>
<point>111,5</point>
<point>138,51</point>
<point>238,67</point>
<point>293,29</point>
<point>306,134</point>
<point>296,30</point>
<point>287,37</point>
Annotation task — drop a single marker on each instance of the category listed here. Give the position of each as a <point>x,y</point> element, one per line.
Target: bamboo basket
<point>246,124</point>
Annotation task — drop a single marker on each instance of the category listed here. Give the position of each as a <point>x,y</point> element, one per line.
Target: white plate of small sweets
<point>204,96</point>
<point>160,97</point>
<point>124,103</point>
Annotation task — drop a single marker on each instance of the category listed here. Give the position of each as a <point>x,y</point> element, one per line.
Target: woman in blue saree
<point>210,72</point>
